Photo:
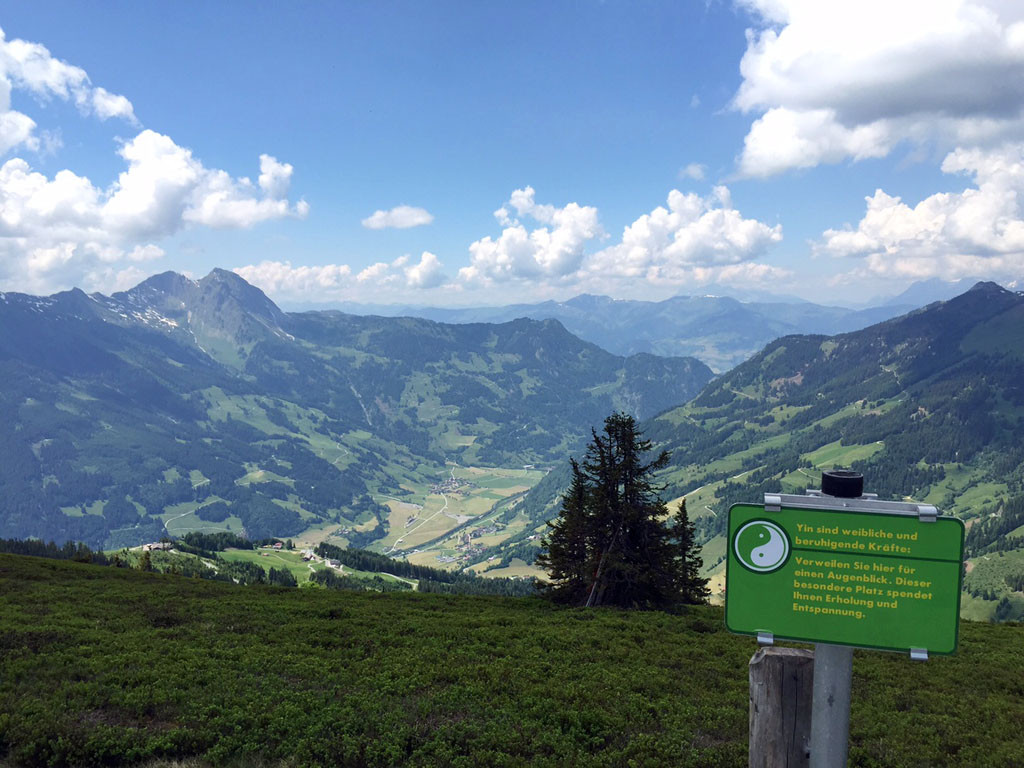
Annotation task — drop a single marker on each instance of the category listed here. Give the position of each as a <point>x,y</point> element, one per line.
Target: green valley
<point>185,405</point>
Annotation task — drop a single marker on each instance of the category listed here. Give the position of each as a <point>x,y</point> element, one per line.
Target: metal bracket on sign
<point>773,502</point>
<point>767,638</point>
<point>919,654</point>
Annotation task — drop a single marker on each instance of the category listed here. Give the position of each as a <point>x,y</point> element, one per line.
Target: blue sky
<point>484,152</point>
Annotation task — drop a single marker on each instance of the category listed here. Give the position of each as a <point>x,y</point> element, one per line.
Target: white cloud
<point>694,171</point>
<point>832,81</point>
<point>977,232</point>
<point>670,245</point>
<point>694,240</point>
<point>106,105</point>
<point>426,274</point>
<point>65,230</point>
<point>400,217</point>
<point>281,279</point>
<point>53,232</point>
<point>30,67</point>
<point>384,281</point>
<point>148,252</point>
<point>16,130</point>
<point>784,139</point>
<point>553,251</point>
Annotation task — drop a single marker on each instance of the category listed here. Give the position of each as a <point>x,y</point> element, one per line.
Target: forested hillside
<point>718,330</point>
<point>200,403</point>
<point>927,406</point>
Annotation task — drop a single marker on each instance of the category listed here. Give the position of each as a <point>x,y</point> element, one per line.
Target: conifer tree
<point>693,590</point>
<point>564,553</point>
<point>610,544</point>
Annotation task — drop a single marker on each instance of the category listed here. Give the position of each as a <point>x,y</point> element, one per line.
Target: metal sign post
<point>833,669</point>
<point>842,569</point>
<point>830,706</point>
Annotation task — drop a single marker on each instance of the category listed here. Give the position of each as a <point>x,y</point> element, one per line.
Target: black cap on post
<point>842,483</point>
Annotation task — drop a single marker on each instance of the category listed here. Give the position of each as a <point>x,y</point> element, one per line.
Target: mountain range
<point>718,330</point>
<point>203,400</point>
<point>121,411</point>
<point>928,406</point>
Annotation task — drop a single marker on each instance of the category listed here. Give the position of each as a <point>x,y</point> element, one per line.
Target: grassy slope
<point>989,573</point>
<point>110,666</point>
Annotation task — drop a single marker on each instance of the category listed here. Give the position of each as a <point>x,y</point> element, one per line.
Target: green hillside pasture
<point>799,480</point>
<point>734,461</point>
<point>180,519</point>
<point>102,666</point>
<point>250,409</point>
<point>965,490</point>
<point>837,455</point>
<point>292,560</point>
<point>731,465</point>
<point>713,554</point>
<point>339,454</point>
<point>257,475</point>
<point>698,501</point>
<point>977,496</point>
<point>847,410</point>
<point>989,572</point>
<point>975,608</point>
<point>516,569</point>
<point>452,437</point>
<point>292,503</point>
<point>783,413</point>
<point>329,531</point>
<point>96,508</point>
<point>221,406</point>
<point>269,558</point>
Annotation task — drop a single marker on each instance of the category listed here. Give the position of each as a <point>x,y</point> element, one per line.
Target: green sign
<point>868,579</point>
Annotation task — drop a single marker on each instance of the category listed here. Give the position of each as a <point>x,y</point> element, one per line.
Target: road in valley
<point>419,525</point>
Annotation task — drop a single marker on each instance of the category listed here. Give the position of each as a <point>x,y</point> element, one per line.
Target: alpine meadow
<point>559,384</point>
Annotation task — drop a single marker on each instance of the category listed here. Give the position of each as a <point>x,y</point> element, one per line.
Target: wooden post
<point>781,686</point>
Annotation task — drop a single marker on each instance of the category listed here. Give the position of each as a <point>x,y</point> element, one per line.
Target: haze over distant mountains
<point>719,330</point>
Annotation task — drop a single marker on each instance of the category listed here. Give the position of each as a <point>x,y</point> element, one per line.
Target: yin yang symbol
<point>761,546</point>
